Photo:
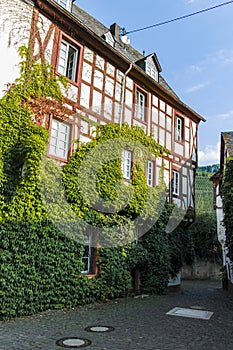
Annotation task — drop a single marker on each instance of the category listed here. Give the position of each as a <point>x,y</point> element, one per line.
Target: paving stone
<point>139,323</point>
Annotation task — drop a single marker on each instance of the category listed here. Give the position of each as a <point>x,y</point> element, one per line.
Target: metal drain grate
<point>73,342</point>
<point>191,313</point>
<point>99,329</point>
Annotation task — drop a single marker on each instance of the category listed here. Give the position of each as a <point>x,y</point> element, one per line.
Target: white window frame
<point>176,182</point>
<point>179,128</point>
<point>59,139</point>
<point>86,258</point>
<point>140,105</point>
<point>126,164</point>
<point>150,173</point>
<point>66,4</point>
<point>68,60</point>
<point>151,70</point>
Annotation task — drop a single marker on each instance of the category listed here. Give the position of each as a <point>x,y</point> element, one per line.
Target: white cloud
<point>197,87</point>
<point>224,116</point>
<point>196,68</point>
<point>210,155</point>
<point>223,56</point>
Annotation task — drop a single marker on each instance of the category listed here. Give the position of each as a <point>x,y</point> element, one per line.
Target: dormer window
<point>152,70</point>
<point>65,3</point>
<point>150,65</point>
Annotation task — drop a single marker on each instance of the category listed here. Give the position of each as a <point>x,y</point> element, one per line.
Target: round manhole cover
<point>99,329</point>
<point>73,342</point>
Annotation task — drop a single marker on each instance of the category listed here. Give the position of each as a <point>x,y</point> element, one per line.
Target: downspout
<point>122,95</point>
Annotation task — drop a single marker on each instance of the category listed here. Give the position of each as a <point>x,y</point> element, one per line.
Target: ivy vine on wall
<point>40,266</point>
<point>227,193</point>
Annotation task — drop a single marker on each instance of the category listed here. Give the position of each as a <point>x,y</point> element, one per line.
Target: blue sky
<point>196,55</point>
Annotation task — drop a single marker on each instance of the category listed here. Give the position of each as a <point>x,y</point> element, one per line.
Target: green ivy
<point>40,266</point>
<point>85,187</point>
<point>227,193</point>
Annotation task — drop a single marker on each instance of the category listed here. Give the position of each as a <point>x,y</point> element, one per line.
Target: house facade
<point>226,152</point>
<point>109,82</point>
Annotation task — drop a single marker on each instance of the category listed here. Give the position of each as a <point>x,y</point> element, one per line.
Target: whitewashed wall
<point>15,22</point>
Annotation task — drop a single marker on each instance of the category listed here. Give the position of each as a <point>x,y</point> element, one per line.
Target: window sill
<point>180,142</point>
<point>71,82</point>
<point>140,120</point>
<point>63,160</point>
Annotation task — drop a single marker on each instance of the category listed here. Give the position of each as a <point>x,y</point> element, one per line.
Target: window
<point>140,105</point>
<point>151,70</point>
<point>179,128</point>
<point>59,139</point>
<point>175,182</point>
<point>65,3</point>
<point>86,258</point>
<point>126,164</point>
<point>150,173</point>
<point>68,58</point>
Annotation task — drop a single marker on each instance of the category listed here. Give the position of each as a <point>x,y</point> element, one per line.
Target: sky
<point>196,55</point>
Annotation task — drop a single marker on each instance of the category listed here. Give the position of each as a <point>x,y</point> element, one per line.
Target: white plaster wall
<point>108,108</point>
<point>128,98</point>
<point>162,119</point>
<point>99,62</point>
<point>129,83</point>
<point>162,137</point>
<point>118,92</point>
<point>110,69</point>
<point>97,101</point>
<point>84,127</point>
<point>178,149</point>
<point>128,116</point>
<point>15,21</point>
<point>166,178</point>
<point>109,86</point>
<point>168,141</point>
<point>88,54</point>
<point>187,134</point>
<point>169,110</point>
<point>84,139</point>
<point>155,101</point>
<point>98,79</point>
<point>43,26</point>
<point>187,151</point>
<point>184,185</point>
<point>169,124</point>
<point>162,105</point>
<point>85,96</point>
<point>87,72</point>
<point>155,115</point>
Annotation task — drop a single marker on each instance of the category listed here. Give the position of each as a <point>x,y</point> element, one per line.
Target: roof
<point>228,140</point>
<point>107,41</point>
<point>155,58</point>
<point>128,51</point>
<point>215,176</point>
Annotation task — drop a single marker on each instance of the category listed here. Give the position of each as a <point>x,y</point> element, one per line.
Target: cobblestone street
<point>139,323</point>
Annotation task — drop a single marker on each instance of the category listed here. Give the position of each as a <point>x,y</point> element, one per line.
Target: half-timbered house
<point>110,81</point>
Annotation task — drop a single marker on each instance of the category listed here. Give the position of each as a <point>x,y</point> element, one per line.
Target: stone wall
<point>202,270</point>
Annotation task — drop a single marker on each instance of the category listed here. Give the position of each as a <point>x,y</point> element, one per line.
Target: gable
<point>109,38</point>
<point>151,66</point>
